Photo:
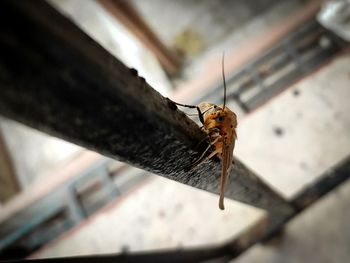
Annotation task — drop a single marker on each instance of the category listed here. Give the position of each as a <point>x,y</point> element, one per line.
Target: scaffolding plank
<point>56,79</point>
<point>129,17</point>
<point>9,183</point>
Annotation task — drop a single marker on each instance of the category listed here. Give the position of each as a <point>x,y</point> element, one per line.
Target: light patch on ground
<point>298,135</point>
<point>321,234</point>
<point>162,214</point>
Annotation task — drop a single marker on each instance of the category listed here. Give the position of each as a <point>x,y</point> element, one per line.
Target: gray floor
<point>321,234</point>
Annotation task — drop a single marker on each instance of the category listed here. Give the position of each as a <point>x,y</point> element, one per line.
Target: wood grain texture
<point>56,79</point>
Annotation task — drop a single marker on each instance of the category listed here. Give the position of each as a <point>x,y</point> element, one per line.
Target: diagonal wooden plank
<point>55,78</point>
<point>129,17</point>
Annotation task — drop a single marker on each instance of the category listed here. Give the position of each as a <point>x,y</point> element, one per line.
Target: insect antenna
<point>223,77</point>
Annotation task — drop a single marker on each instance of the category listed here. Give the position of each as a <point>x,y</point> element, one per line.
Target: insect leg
<point>200,159</point>
<point>205,159</point>
<point>200,114</point>
<point>209,156</point>
<point>201,141</point>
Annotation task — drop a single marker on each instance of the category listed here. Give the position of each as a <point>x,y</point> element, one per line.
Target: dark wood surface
<point>56,79</point>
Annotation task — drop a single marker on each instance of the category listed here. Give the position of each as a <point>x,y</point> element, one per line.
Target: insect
<point>220,124</point>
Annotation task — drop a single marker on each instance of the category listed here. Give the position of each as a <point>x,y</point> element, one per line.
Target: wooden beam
<point>42,188</point>
<point>56,79</point>
<point>124,12</point>
<point>9,185</point>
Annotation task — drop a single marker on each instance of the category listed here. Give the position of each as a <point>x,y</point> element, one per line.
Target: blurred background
<point>288,76</point>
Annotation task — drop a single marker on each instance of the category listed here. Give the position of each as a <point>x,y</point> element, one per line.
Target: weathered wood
<point>9,185</point>
<point>55,78</point>
<point>129,17</point>
<point>204,254</point>
<point>333,177</point>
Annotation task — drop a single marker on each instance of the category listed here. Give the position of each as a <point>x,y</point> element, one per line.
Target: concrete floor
<point>161,214</point>
<point>313,119</point>
<point>214,26</point>
<point>321,234</point>
<point>35,155</point>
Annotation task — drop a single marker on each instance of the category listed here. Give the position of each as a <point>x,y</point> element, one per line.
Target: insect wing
<point>226,162</point>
